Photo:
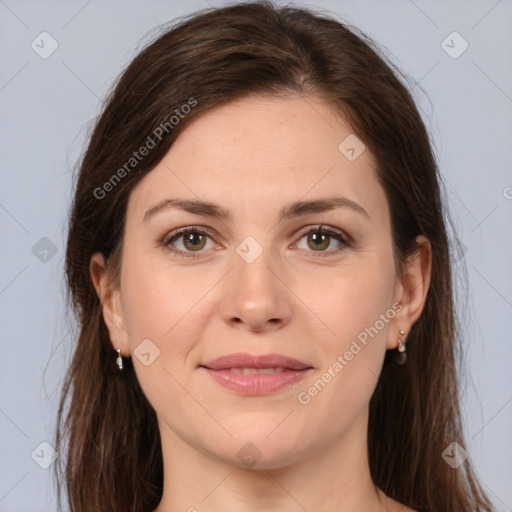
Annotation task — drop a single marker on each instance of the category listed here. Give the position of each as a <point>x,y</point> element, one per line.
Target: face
<point>261,278</point>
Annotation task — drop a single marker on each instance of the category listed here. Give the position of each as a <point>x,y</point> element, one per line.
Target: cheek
<point>164,305</point>
<point>153,299</point>
<point>352,298</point>
<point>168,308</point>
<point>356,313</point>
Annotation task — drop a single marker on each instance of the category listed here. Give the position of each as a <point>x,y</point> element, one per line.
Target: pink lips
<point>239,372</point>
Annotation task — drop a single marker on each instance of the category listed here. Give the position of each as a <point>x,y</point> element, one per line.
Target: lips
<point>249,361</point>
<point>254,375</point>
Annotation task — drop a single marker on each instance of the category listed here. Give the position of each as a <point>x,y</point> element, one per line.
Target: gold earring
<point>401,356</point>
<point>119,359</point>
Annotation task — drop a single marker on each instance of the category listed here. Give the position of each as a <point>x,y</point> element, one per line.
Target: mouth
<point>256,375</point>
<point>244,361</point>
<point>255,371</point>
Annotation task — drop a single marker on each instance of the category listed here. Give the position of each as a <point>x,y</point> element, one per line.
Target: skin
<point>252,157</point>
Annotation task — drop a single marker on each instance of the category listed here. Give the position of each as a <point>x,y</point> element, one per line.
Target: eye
<point>193,241</point>
<point>319,238</point>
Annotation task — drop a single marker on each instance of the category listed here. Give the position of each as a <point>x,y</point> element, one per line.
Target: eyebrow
<point>290,211</point>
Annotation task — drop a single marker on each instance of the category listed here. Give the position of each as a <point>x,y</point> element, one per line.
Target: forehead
<point>273,129</point>
<point>262,149</point>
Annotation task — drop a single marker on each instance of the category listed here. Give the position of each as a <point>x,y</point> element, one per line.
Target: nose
<point>255,295</point>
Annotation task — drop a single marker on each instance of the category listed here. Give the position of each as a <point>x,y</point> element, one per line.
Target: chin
<point>260,452</point>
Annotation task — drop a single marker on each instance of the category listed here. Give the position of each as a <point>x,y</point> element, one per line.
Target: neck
<point>335,478</point>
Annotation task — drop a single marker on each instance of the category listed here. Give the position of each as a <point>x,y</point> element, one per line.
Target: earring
<point>401,356</point>
<point>119,359</point>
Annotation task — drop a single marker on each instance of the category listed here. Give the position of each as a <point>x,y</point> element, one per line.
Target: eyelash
<point>320,229</point>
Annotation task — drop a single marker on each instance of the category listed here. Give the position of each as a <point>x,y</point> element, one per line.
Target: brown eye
<point>319,239</point>
<point>187,242</point>
<point>194,241</point>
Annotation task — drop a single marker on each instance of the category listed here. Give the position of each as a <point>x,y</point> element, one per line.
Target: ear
<point>110,299</point>
<point>411,291</point>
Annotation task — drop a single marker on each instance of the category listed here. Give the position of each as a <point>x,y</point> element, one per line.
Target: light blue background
<point>46,105</point>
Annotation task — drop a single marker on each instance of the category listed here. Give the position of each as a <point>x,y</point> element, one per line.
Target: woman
<point>258,260</point>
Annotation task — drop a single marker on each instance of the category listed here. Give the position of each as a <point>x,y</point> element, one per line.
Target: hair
<point>105,425</point>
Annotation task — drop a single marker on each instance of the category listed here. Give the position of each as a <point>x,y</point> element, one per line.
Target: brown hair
<point>108,432</point>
